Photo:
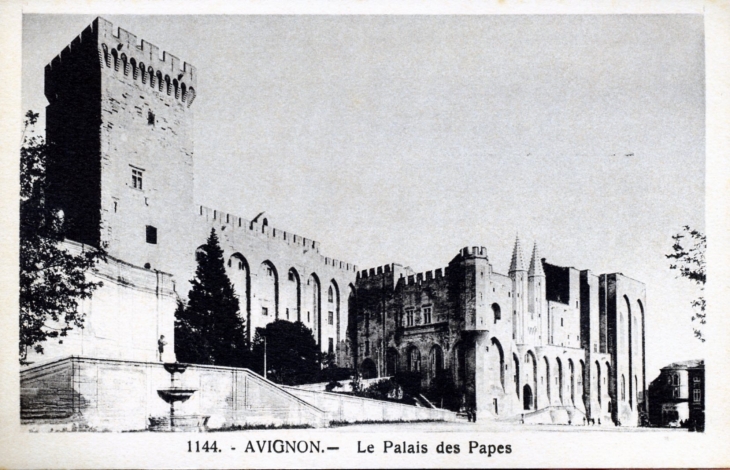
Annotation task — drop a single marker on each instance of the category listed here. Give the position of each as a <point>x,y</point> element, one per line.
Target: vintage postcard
<point>435,234</point>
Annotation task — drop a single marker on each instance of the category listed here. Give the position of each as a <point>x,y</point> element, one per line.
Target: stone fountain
<point>173,395</point>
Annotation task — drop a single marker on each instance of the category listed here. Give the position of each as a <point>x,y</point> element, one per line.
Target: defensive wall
<point>624,301</point>
<point>281,275</point>
<point>547,337</point>
<point>123,319</point>
<point>121,123</point>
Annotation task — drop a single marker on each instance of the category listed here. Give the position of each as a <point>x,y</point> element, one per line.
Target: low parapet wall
<point>80,393</point>
<point>346,385</point>
<point>111,395</point>
<point>351,409</point>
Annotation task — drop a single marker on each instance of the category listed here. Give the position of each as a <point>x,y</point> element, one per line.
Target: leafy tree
<point>385,389</point>
<point>356,383</point>
<point>331,385</point>
<point>410,382</point>
<point>209,329</point>
<point>688,257</point>
<point>292,354</point>
<point>52,279</point>
<point>332,373</point>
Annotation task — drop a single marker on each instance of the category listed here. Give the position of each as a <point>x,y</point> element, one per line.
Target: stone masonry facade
<point>543,337</point>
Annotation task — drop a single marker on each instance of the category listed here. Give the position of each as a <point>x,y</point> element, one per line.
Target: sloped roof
<point>691,364</point>
<point>536,263</point>
<point>518,261</point>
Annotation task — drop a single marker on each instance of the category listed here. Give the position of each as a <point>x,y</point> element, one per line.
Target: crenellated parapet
<point>379,271</point>
<point>424,277</point>
<point>261,228</point>
<point>473,252</point>
<point>120,51</point>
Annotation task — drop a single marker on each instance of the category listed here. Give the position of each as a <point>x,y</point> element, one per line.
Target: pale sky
<point>404,138</point>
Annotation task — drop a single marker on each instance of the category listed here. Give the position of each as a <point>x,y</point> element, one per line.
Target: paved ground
<point>488,427</point>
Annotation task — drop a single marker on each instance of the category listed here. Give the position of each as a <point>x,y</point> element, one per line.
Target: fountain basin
<point>175,367</point>
<point>185,423</point>
<point>172,395</point>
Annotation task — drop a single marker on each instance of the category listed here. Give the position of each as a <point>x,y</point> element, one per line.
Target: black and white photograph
<point>365,238</point>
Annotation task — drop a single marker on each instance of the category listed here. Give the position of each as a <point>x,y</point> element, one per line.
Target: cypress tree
<point>209,329</point>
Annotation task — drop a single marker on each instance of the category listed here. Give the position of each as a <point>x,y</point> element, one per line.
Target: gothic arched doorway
<point>368,369</point>
<point>527,397</point>
<point>391,362</point>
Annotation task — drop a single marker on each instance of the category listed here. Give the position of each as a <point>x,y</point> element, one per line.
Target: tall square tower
<point>120,125</point>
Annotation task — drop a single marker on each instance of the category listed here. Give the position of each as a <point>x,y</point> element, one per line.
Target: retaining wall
<point>350,409</point>
<point>110,395</point>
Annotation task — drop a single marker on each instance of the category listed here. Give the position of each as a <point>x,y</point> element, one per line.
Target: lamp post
<point>264,356</point>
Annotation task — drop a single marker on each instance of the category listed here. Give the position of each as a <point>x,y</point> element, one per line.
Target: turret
<point>536,269</point>
<point>537,300</point>
<point>518,259</point>
<point>474,265</point>
<point>518,274</point>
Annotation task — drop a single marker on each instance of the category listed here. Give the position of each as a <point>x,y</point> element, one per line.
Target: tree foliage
<point>52,279</point>
<point>688,257</point>
<point>209,329</point>
<point>385,389</point>
<point>443,392</point>
<point>292,354</point>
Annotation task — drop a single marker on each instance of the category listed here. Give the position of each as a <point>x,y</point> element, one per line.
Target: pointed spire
<point>536,263</point>
<point>518,259</point>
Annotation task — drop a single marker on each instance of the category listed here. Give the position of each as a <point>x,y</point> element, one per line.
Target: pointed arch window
<point>125,68</point>
<point>497,312</point>
<point>107,56</point>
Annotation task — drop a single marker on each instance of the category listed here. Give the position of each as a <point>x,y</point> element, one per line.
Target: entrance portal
<point>527,397</point>
<point>368,369</point>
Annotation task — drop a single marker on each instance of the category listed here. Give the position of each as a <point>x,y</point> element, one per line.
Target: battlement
<point>473,252</point>
<point>379,271</point>
<point>121,51</point>
<point>262,229</point>
<point>424,277</point>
